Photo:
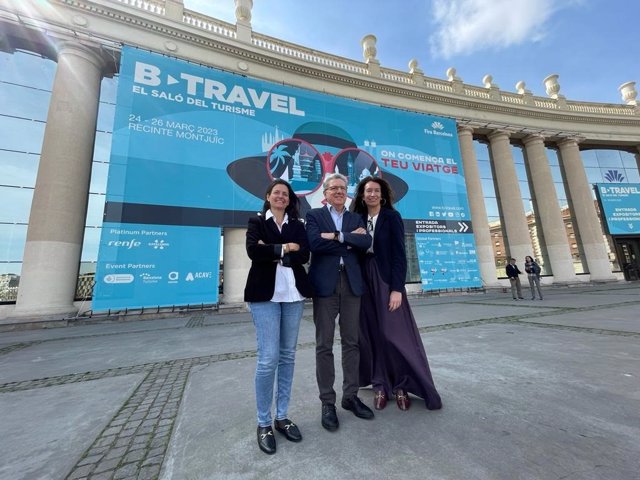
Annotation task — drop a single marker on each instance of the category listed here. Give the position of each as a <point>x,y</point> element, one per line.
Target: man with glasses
<point>337,237</point>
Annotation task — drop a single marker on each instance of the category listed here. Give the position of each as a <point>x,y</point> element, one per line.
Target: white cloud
<point>467,26</point>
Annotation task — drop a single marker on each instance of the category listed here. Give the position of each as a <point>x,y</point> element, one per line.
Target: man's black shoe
<point>358,408</point>
<point>329,417</point>
<point>266,440</point>
<point>289,429</point>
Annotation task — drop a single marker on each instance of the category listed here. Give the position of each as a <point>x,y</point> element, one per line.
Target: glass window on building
<point>610,166</point>
<point>25,91</point>
<point>539,250</point>
<point>491,205</point>
<point>577,255</point>
<point>603,166</point>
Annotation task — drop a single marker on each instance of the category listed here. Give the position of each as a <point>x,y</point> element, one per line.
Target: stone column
<point>584,211</point>
<point>58,211</point>
<point>548,215</point>
<point>236,265</point>
<point>481,232</point>
<point>515,226</point>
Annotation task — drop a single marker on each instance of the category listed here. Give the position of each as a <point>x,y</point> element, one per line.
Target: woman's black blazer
<point>264,257</point>
<point>389,249</point>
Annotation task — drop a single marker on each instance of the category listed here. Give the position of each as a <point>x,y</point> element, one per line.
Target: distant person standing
<point>513,272</point>
<point>533,274</point>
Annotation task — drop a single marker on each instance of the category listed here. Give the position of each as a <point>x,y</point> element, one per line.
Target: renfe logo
<point>147,74</point>
<point>128,244</point>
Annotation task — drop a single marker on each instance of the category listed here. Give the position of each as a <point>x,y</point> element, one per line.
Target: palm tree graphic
<point>278,156</point>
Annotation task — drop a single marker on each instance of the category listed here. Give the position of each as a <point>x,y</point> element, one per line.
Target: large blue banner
<point>195,147</point>
<point>620,203</point>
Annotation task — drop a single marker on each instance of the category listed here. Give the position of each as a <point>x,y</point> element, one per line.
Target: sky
<point>591,44</point>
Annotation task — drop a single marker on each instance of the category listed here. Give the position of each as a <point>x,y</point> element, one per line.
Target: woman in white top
<point>276,288</point>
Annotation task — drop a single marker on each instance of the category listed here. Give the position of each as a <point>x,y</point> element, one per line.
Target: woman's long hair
<point>292,208</point>
<point>386,195</point>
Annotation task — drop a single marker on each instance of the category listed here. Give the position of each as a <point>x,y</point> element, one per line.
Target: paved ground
<point>531,390</point>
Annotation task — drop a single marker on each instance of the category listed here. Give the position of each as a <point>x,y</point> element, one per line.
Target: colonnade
<point>548,214</point>
<point>56,225</point>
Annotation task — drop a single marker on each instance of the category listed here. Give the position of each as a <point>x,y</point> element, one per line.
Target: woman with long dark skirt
<point>392,357</point>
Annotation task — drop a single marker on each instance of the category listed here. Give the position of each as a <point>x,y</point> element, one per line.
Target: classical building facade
<point>530,162</point>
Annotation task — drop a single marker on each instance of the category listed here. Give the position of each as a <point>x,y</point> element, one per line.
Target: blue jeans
<point>277,326</point>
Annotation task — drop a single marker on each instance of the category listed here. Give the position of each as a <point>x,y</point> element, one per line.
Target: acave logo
<point>437,126</point>
<point>191,276</point>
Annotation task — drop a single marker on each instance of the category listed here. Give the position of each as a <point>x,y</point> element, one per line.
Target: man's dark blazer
<point>264,258</point>
<point>325,260</point>
<point>512,271</point>
<point>389,248</point>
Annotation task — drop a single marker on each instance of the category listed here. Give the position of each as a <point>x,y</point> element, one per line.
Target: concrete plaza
<point>531,390</point>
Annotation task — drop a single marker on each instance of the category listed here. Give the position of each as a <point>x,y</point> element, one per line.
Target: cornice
<point>128,16</point>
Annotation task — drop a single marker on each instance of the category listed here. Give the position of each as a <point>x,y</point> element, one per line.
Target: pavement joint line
<point>523,320</point>
<point>17,346</point>
<point>517,305</point>
<point>97,335</point>
<point>572,328</point>
<point>127,370</point>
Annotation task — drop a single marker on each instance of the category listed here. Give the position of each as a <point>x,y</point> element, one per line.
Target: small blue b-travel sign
<point>620,203</point>
<point>194,149</point>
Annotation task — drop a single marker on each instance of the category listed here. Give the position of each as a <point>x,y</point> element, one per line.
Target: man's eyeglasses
<point>335,189</point>
<point>304,167</point>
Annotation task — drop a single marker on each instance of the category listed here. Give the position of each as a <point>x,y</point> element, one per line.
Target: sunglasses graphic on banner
<point>314,151</point>
<point>304,167</point>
